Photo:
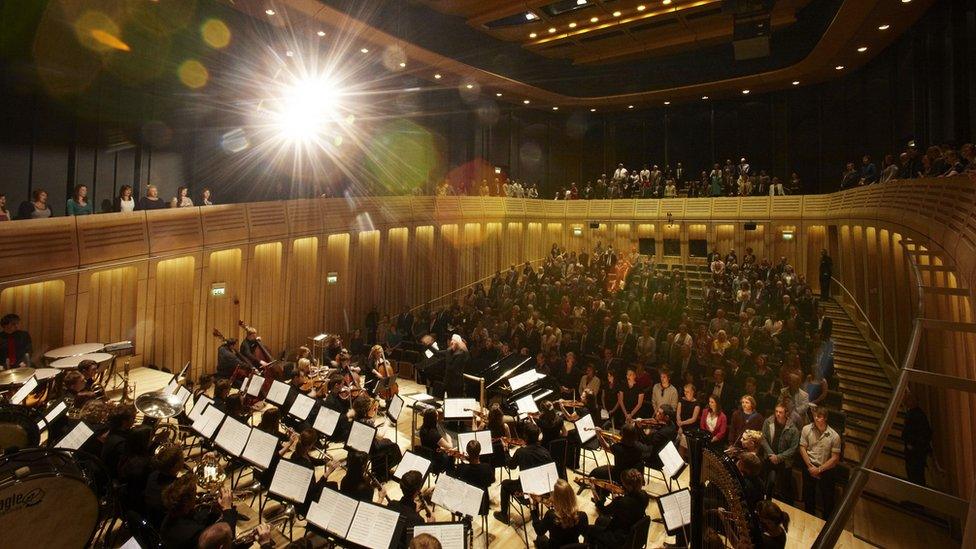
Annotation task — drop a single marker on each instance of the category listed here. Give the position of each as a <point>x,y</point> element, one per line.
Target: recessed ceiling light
<point>745,92</point>
<point>839,67</point>
<point>270,11</point>
<point>555,108</point>
<point>526,101</point>
<point>402,64</point>
<point>641,7</point>
<point>592,110</point>
<point>796,82</point>
<point>365,50</point>
<point>532,35</point>
<point>884,27</point>
<point>862,49</point>
<point>666,2</point>
<point>905,1</point>
<point>437,76</point>
<point>529,16</point>
<point>321,33</point>
<point>552,30</point>
<point>704,97</point>
<point>580,2</point>
<point>667,102</point>
<point>594,19</point>
<point>630,106</point>
<point>499,94</point>
<point>572,25</point>
<point>469,86</point>
<point>616,14</point>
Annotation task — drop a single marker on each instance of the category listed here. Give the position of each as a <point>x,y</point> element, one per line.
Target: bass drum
<point>46,500</point>
<point>17,428</point>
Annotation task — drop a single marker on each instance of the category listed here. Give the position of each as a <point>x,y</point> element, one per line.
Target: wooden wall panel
<point>41,309</point>
<point>171,325</point>
<point>264,305</point>
<point>223,312</point>
<point>112,302</point>
<point>366,271</point>
<point>304,316</point>
<point>336,295</point>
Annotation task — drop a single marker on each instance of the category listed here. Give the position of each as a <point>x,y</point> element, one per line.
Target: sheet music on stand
<point>333,512</point>
<point>302,406</point>
<point>208,422</point>
<point>675,510</point>
<point>232,436</point>
<point>457,496</point>
<point>411,462</point>
<point>254,385</point>
<point>291,481</point>
<point>260,448</point>
<point>526,405</point>
<point>585,428</point>
<point>430,354</point>
<point>484,437</point>
<point>132,543</point>
<point>361,436</point>
<point>460,408</point>
<point>25,389</point>
<point>278,392</point>
<point>326,421</point>
<point>672,464</point>
<point>171,387</point>
<point>183,394</point>
<point>374,526</point>
<point>197,409</point>
<point>77,437</point>
<point>450,534</point>
<point>52,414</point>
<point>539,480</point>
<point>525,379</point>
<point>394,407</point>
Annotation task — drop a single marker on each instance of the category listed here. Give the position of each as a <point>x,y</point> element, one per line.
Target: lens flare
<point>307,108</point>
<point>215,34</point>
<point>193,74</point>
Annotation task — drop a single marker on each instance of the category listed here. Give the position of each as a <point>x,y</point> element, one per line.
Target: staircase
<point>863,392</point>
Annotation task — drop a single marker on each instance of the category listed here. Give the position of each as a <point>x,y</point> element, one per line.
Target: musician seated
<point>185,521</point>
<point>357,484</point>
<point>305,361</point>
<point>432,440</point>
<point>495,423</point>
<point>476,473</point>
<point>660,437</point>
<point>629,453</point>
<point>425,541</point>
<point>530,455</point>
<point>76,391</point>
<point>612,528</point>
<point>271,423</point>
<point>228,360</point>
<point>563,523</point>
<point>120,422</point>
<point>167,465</point>
<point>135,466</point>
<point>89,369</point>
<point>550,423</point>
<point>409,505</point>
<point>385,454</point>
<point>253,350</point>
<point>221,395</point>
<point>753,487</point>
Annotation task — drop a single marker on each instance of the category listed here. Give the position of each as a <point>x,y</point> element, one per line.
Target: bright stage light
<point>307,107</point>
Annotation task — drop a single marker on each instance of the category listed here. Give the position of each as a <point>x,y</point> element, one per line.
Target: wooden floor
<point>885,527</point>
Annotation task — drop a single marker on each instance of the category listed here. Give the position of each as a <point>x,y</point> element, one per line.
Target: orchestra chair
<point>590,449</point>
<point>650,469</point>
<point>558,448</point>
<point>523,502</point>
<point>638,534</point>
<point>142,531</point>
<point>426,453</point>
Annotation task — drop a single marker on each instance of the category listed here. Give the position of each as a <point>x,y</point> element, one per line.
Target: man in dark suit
<point>722,390</point>
<point>410,484</point>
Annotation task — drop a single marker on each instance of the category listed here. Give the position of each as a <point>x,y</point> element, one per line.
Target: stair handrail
<point>432,301</point>
<point>891,371</point>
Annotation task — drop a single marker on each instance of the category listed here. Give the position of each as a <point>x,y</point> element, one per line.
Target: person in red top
<point>15,344</point>
<point>715,423</point>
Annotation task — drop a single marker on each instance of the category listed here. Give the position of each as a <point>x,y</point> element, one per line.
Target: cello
<point>384,370</point>
<point>260,352</point>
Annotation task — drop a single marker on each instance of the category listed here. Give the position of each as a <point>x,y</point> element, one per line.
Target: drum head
<point>47,511</point>
<point>17,429</point>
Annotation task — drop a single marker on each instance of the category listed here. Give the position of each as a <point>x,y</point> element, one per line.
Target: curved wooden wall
<point>147,276</point>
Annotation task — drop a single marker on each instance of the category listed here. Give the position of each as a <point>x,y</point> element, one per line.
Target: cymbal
<point>158,405</point>
<point>15,376</point>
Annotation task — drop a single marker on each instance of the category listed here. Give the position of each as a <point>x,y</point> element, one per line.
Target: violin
<point>571,403</point>
<point>602,484</point>
<point>348,392</point>
<point>606,435</point>
<point>508,441</point>
<point>454,453</point>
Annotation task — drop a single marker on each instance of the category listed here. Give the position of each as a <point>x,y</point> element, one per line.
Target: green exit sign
<point>218,289</point>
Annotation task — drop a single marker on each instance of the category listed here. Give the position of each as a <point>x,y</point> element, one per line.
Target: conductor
<point>456,359</point>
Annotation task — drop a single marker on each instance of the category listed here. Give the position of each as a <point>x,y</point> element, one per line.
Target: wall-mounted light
<point>577,231</point>
<point>788,234</point>
<point>498,170</point>
<point>332,278</point>
<point>218,289</point>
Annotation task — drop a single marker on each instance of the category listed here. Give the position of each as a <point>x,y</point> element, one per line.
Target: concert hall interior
<point>562,274</point>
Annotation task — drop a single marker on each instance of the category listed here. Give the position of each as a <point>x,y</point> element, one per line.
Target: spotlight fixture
<point>403,65</point>
<point>592,110</point>
<point>469,86</point>
<point>580,2</point>
<point>594,19</point>
<point>321,33</point>
<point>526,101</point>
<point>667,102</point>
<point>532,35</point>
<point>905,1</point>
<point>862,49</point>
<point>630,106</point>
<point>704,98</point>
<point>666,2</point>
<point>530,16</point>
<point>572,25</point>
<point>839,67</point>
<point>884,27</point>
<point>555,108</point>
<point>499,94</point>
<point>437,76</point>
<point>796,82</point>
<point>641,7</point>
<point>270,11</point>
<point>745,92</point>
<point>552,30</point>
<point>616,14</point>
<point>365,50</point>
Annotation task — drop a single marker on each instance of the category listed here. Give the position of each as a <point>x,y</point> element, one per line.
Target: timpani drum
<point>18,429</point>
<point>46,500</point>
<point>72,362</point>
<point>74,350</point>
<point>44,374</point>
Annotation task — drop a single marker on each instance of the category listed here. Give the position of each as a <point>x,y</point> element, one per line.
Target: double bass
<point>243,368</point>
<point>259,351</point>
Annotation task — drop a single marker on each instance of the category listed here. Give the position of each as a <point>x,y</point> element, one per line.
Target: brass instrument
<point>245,539</point>
<point>600,483</point>
<point>210,474</point>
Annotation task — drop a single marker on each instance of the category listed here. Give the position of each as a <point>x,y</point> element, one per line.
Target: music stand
<point>675,509</point>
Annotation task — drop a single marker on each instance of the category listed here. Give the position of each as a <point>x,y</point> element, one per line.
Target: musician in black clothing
<point>550,423</point>
<point>432,439</point>
<point>185,521</point>
<point>629,453</point>
<point>407,506</point>
<point>253,350</point>
<point>89,369</point>
<point>167,465</point>
<point>476,473</point>
<point>563,523</point>
<point>613,526</point>
<point>456,359</point>
<point>229,359</point>
<point>15,344</point>
<point>120,423</point>
<point>356,484</point>
<point>530,455</point>
<point>660,437</point>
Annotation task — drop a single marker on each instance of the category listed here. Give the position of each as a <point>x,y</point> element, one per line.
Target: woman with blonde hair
<point>563,524</point>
